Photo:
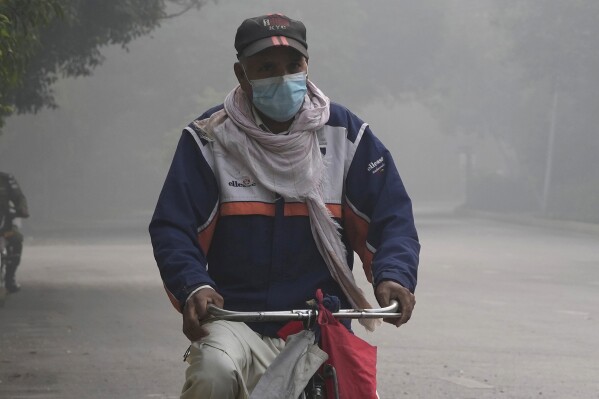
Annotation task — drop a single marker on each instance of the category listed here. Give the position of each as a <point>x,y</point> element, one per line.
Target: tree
<point>527,80</point>
<point>555,42</point>
<point>20,25</point>
<point>42,40</point>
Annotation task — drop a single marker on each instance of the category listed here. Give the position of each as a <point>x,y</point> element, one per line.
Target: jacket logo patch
<point>376,166</point>
<point>245,182</point>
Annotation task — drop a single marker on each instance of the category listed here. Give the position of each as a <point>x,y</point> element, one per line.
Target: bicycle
<point>315,389</point>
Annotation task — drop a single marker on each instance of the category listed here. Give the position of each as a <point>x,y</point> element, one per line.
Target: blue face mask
<point>280,97</point>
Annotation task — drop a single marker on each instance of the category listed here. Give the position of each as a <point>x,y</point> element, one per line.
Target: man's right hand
<point>196,309</point>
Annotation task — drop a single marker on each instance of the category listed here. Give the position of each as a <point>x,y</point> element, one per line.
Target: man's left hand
<point>389,290</point>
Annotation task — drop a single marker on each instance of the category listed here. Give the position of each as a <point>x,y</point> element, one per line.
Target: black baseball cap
<point>257,33</point>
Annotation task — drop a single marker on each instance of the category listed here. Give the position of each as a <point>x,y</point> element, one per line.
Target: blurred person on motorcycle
<point>267,199</point>
<point>13,204</point>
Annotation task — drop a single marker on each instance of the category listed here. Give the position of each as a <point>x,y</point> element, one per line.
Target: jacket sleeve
<point>186,206</point>
<point>379,214</point>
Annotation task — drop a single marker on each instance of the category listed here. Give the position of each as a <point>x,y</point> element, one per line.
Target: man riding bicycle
<point>267,198</point>
<point>12,205</point>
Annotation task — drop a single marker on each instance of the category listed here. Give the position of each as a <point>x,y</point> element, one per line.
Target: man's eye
<point>265,68</point>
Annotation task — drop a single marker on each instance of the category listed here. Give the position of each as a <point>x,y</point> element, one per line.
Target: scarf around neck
<point>291,165</point>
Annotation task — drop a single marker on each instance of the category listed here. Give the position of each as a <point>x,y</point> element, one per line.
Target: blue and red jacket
<point>215,225</point>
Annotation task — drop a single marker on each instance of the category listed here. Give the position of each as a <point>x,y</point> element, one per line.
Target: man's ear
<point>239,72</point>
<point>242,79</point>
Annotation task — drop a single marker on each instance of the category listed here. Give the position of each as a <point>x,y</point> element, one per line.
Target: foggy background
<point>487,105</point>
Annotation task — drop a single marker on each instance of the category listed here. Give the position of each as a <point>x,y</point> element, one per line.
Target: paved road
<point>504,311</point>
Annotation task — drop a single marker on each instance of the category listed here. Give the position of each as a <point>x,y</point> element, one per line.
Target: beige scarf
<point>292,165</point>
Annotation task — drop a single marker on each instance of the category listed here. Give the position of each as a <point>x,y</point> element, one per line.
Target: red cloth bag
<point>353,358</point>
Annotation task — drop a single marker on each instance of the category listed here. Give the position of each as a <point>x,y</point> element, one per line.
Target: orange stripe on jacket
<point>356,229</point>
<point>268,209</point>
<point>301,209</point>
<point>247,208</point>
<point>205,236</point>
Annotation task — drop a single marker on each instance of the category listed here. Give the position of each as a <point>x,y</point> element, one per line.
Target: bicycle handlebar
<point>300,314</point>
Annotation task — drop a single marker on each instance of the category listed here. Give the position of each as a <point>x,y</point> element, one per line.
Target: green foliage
<point>43,40</point>
<point>20,25</point>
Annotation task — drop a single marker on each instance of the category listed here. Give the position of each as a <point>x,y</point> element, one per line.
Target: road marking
<point>467,382</point>
<point>574,313</point>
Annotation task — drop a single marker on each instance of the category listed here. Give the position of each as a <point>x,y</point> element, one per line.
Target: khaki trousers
<point>228,363</point>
